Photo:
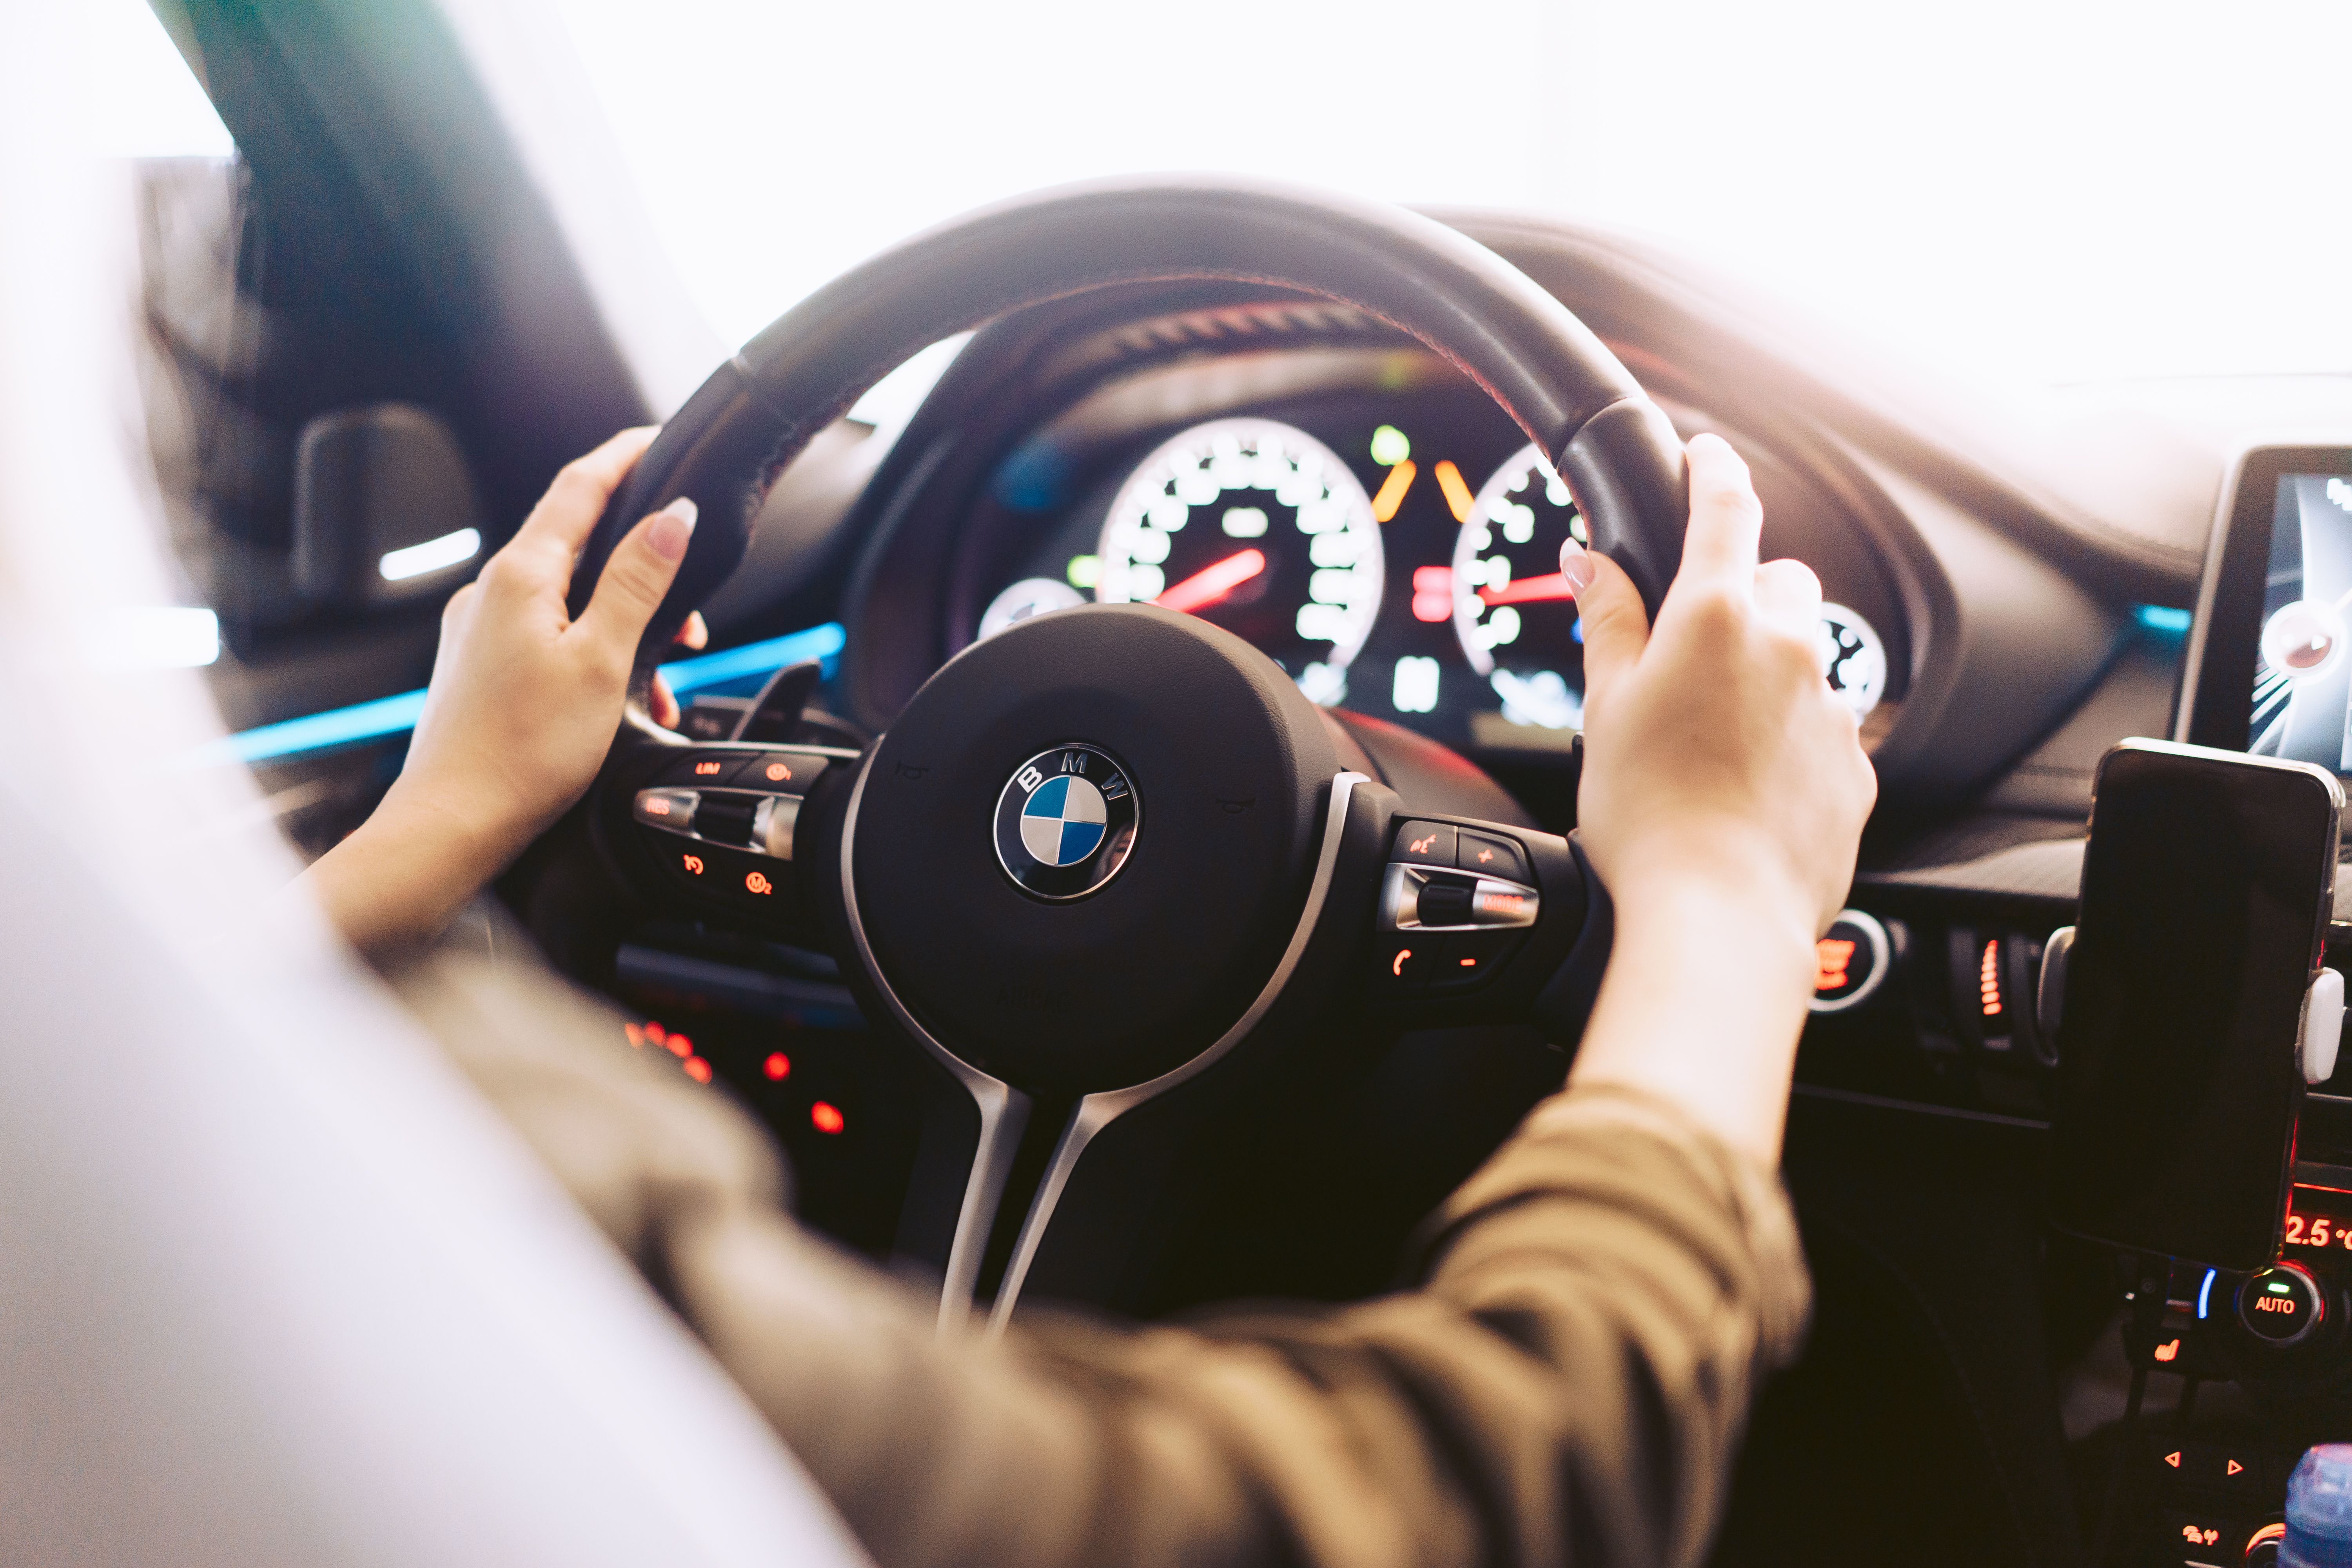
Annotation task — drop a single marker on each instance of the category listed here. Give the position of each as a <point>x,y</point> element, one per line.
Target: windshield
<point>2043,189</point>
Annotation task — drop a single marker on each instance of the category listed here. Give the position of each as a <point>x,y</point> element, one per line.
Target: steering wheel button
<point>1410,962</point>
<point>702,766</point>
<point>1424,844</point>
<point>1490,856</point>
<point>786,772</point>
<point>1497,903</point>
<point>670,808</point>
<point>1470,957</point>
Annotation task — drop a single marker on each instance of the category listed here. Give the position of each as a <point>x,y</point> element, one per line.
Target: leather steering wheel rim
<point>1615,449</point>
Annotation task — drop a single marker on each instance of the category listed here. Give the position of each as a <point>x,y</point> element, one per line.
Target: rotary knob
<point>2282,1305</point>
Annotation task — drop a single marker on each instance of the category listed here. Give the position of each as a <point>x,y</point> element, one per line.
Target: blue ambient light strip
<point>2163,618</point>
<point>392,715</point>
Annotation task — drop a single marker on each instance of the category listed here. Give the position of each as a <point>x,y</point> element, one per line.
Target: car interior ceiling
<point>1961,1397</point>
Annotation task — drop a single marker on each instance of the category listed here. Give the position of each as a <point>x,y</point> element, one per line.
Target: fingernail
<point>1576,566</point>
<point>673,527</point>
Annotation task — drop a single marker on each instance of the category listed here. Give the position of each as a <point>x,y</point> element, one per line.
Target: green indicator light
<point>1085,571</point>
<point>1390,446</point>
<point>2280,1289</point>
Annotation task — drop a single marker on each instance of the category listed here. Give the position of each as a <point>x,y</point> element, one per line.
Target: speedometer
<point>1512,609</point>
<point>1259,528</point>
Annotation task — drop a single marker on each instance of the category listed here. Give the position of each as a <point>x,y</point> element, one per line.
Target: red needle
<point>1551,585</point>
<point>1210,583</point>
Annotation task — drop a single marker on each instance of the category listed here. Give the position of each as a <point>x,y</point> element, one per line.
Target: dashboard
<point>1361,514</point>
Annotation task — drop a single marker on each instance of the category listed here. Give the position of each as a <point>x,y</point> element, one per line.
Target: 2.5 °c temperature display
<point>2319,1219</point>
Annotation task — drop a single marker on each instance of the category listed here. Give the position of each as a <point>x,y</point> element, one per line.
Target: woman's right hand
<point>1714,746</point>
<point>1722,802</point>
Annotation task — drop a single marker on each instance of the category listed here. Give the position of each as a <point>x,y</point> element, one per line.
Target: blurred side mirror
<point>384,507</point>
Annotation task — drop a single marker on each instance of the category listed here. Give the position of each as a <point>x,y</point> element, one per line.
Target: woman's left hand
<point>521,710</point>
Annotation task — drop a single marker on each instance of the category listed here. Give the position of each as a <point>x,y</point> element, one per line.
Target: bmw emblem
<point>1065,822</point>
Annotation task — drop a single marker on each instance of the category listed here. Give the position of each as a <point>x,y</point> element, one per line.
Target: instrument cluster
<point>1398,555</point>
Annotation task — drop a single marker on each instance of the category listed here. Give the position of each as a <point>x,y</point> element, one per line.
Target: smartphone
<point>2207,887</point>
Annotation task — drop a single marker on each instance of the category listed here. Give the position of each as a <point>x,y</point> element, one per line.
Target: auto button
<point>2282,1304</point>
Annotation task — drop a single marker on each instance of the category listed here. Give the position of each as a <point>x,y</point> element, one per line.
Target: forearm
<point>1601,1302</point>
<point>1570,1384</point>
<point>1704,1000</point>
<point>402,874</point>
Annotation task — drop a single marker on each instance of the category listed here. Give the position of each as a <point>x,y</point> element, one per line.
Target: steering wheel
<point>1110,858</point>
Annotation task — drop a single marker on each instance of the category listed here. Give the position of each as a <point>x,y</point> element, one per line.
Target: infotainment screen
<point>2302,678</point>
<point>2270,655</point>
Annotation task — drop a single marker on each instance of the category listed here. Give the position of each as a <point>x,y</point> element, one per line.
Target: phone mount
<point>2320,1030</point>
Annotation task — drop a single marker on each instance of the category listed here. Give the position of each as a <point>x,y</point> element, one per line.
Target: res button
<point>670,808</point>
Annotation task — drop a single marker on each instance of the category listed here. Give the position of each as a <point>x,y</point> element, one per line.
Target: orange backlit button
<point>1491,856</point>
<point>701,766</point>
<point>1424,844</point>
<point>2203,1537</point>
<point>1492,905</point>
<point>756,882</point>
<point>1408,960</point>
<point>786,772</point>
<point>1850,961</point>
<point>2223,1467</point>
<point>693,864</point>
<point>1469,957</point>
<point>672,808</point>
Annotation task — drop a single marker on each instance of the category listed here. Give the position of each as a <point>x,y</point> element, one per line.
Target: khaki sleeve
<point>1568,1384</point>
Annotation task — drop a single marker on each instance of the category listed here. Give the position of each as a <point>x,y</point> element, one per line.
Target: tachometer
<point>1512,609</point>
<point>1517,621</point>
<point>1852,658</point>
<point>1261,529</point>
